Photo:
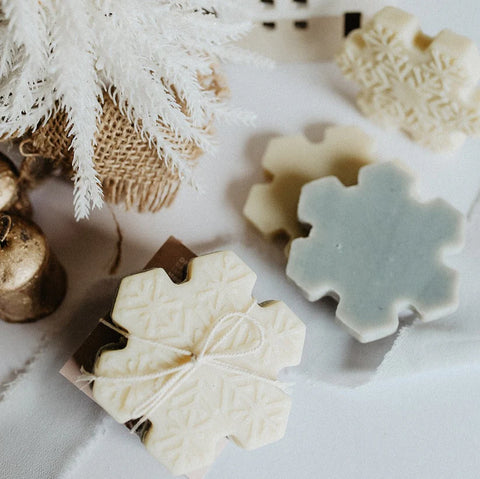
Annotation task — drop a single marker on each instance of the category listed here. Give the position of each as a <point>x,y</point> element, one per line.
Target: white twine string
<point>180,374</point>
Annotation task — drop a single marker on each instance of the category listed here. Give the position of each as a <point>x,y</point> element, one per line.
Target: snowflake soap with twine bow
<point>58,55</point>
<point>201,361</point>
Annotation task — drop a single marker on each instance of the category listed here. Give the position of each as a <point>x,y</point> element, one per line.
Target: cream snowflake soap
<point>377,249</point>
<point>200,363</point>
<point>294,161</point>
<point>424,86</point>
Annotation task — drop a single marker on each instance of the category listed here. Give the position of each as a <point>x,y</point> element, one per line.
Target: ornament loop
<point>5,226</point>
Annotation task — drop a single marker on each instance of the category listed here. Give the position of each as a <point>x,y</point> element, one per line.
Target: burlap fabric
<point>131,171</point>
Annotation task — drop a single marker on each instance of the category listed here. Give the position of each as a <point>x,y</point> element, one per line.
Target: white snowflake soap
<point>424,86</point>
<point>200,363</point>
<point>294,161</point>
<point>377,249</point>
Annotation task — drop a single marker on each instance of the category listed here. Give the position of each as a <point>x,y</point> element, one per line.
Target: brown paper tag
<point>173,257</point>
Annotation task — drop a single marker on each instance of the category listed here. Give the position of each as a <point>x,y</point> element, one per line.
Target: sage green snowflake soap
<point>201,361</point>
<point>377,249</point>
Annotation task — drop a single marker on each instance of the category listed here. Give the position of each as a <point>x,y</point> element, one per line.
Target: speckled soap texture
<point>377,249</point>
<point>422,85</point>
<point>201,361</point>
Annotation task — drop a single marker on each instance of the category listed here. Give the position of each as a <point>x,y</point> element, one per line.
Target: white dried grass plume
<point>60,54</point>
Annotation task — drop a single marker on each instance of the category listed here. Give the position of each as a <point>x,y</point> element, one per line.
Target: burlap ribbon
<point>131,171</point>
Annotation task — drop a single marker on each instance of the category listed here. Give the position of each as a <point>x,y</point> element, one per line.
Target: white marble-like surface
<point>419,425</point>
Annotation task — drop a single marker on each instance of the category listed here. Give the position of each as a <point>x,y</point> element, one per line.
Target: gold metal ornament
<point>12,195</point>
<point>32,281</point>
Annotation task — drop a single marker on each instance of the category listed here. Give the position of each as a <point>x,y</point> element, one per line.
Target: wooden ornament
<point>304,30</point>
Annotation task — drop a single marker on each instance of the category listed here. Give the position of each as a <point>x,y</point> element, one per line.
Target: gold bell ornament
<point>32,281</point>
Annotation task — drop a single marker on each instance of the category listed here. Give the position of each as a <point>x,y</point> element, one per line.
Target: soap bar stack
<point>372,246</point>
<point>197,361</point>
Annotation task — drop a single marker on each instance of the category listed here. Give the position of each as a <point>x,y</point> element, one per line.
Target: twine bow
<point>208,356</point>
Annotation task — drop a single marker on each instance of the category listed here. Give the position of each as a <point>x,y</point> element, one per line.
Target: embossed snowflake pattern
<point>377,249</point>
<point>424,86</point>
<point>201,361</point>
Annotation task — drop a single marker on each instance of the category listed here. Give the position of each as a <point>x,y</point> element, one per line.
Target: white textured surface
<point>424,426</point>
<point>454,342</point>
